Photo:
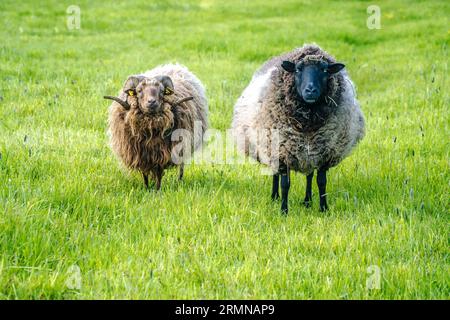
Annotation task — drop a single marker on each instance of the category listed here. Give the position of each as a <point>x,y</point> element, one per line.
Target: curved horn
<point>184,100</point>
<point>120,101</point>
<point>172,103</point>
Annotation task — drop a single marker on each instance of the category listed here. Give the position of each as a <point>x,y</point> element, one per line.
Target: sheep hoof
<point>307,202</point>
<point>284,209</point>
<point>275,196</point>
<point>323,207</point>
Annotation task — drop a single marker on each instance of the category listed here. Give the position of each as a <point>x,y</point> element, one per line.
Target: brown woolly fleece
<point>143,141</point>
<point>307,138</point>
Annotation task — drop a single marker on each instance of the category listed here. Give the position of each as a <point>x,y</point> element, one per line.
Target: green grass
<point>65,201</point>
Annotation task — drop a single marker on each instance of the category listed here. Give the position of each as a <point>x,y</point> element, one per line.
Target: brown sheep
<point>150,108</point>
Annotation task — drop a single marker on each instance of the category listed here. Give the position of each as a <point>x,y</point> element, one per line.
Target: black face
<point>311,80</point>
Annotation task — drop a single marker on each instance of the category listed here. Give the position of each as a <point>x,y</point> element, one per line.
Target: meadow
<point>75,225</point>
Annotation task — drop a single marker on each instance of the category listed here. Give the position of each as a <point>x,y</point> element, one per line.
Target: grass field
<point>75,225</point>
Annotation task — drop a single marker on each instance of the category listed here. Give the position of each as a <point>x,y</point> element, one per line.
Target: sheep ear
<point>335,67</point>
<point>288,66</point>
<point>167,83</point>
<point>130,85</point>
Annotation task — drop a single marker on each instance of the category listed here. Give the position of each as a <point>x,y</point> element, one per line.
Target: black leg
<point>308,195</point>
<point>158,177</point>
<point>285,184</point>
<point>145,179</point>
<point>275,186</point>
<point>322,184</point>
<point>181,174</point>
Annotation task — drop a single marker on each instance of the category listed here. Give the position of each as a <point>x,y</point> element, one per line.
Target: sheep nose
<point>152,103</point>
<point>310,89</point>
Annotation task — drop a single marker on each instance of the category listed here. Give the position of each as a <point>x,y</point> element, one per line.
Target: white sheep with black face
<point>305,102</point>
